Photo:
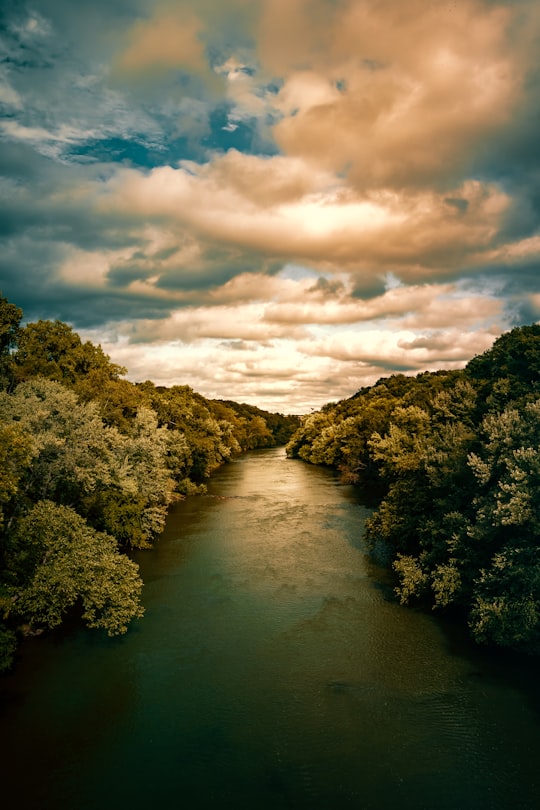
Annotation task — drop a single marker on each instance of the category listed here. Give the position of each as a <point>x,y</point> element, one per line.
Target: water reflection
<point>270,671</point>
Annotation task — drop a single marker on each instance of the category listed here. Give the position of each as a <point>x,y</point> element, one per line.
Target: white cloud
<point>389,170</point>
<point>9,96</point>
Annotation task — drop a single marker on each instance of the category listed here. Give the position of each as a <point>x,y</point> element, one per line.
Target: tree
<point>510,369</point>
<point>311,426</point>
<point>403,448</point>
<point>505,531</point>
<point>57,562</point>
<point>16,452</point>
<point>10,318</point>
<point>211,442</point>
<point>121,484</point>
<point>73,454</point>
<point>118,400</point>
<point>52,349</point>
<point>506,606</point>
<point>144,474</point>
<point>424,456</point>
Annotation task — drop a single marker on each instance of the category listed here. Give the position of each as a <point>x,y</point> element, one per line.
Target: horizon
<point>273,202</point>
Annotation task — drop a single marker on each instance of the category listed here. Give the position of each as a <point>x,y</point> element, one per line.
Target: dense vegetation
<point>454,460</point>
<point>89,464</point>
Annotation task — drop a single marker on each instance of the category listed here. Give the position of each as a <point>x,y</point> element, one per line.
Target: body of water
<point>272,670</point>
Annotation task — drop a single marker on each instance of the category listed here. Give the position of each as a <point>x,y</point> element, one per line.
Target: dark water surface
<point>271,671</point>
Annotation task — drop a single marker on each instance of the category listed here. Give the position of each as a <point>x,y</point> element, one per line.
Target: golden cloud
<point>171,39</point>
<point>275,207</point>
<point>395,348</point>
<point>395,96</point>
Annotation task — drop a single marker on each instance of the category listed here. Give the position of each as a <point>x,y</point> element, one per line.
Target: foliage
<point>80,462</point>
<point>118,400</point>
<point>509,370</point>
<point>10,318</point>
<point>506,604</point>
<point>456,459</point>
<point>52,349</point>
<point>89,463</point>
<point>58,561</point>
<point>256,428</point>
<point>339,434</point>
<point>8,646</point>
<point>506,526</point>
<point>16,452</point>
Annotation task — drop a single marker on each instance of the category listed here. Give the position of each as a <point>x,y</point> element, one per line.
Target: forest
<point>452,462</point>
<point>89,465</point>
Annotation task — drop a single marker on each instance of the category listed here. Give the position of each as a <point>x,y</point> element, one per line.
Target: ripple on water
<point>272,670</point>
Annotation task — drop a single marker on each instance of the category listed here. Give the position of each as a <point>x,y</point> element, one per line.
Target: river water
<point>272,670</point>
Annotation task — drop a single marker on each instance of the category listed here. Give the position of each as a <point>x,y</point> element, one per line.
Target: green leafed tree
<point>505,531</point>
<point>52,349</point>
<point>58,563</point>
<point>509,370</point>
<point>310,429</point>
<point>144,473</point>
<point>424,457</point>
<point>120,483</point>
<point>10,318</point>
<point>73,453</point>
<point>16,452</point>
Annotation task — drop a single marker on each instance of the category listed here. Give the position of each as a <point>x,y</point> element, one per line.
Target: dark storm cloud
<point>85,308</point>
<point>161,161</point>
<point>457,202</point>
<point>21,162</point>
<point>366,287</point>
<point>204,277</point>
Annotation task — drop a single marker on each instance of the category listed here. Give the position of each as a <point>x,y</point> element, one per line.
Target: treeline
<point>454,458</point>
<point>89,465</point>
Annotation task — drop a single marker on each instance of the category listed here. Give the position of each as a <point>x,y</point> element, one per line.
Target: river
<point>272,670</point>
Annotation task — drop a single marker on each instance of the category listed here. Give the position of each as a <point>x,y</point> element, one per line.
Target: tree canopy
<point>89,465</point>
<point>455,459</point>
<point>90,462</point>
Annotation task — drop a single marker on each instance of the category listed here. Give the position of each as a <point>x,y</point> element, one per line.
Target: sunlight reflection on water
<point>270,671</point>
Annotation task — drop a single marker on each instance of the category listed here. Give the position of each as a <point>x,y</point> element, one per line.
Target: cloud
<point>394,98</point>
<point>277,375</point>
<point>252,197</point>
<point>8,96</point>
<point>166,41</point>
<point>256,205</point>
<point>240,322</point>
<point>401,349</point>
<point>416,306</point>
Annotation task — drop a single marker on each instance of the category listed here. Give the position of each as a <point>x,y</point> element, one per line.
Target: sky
<point>272,201</point>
